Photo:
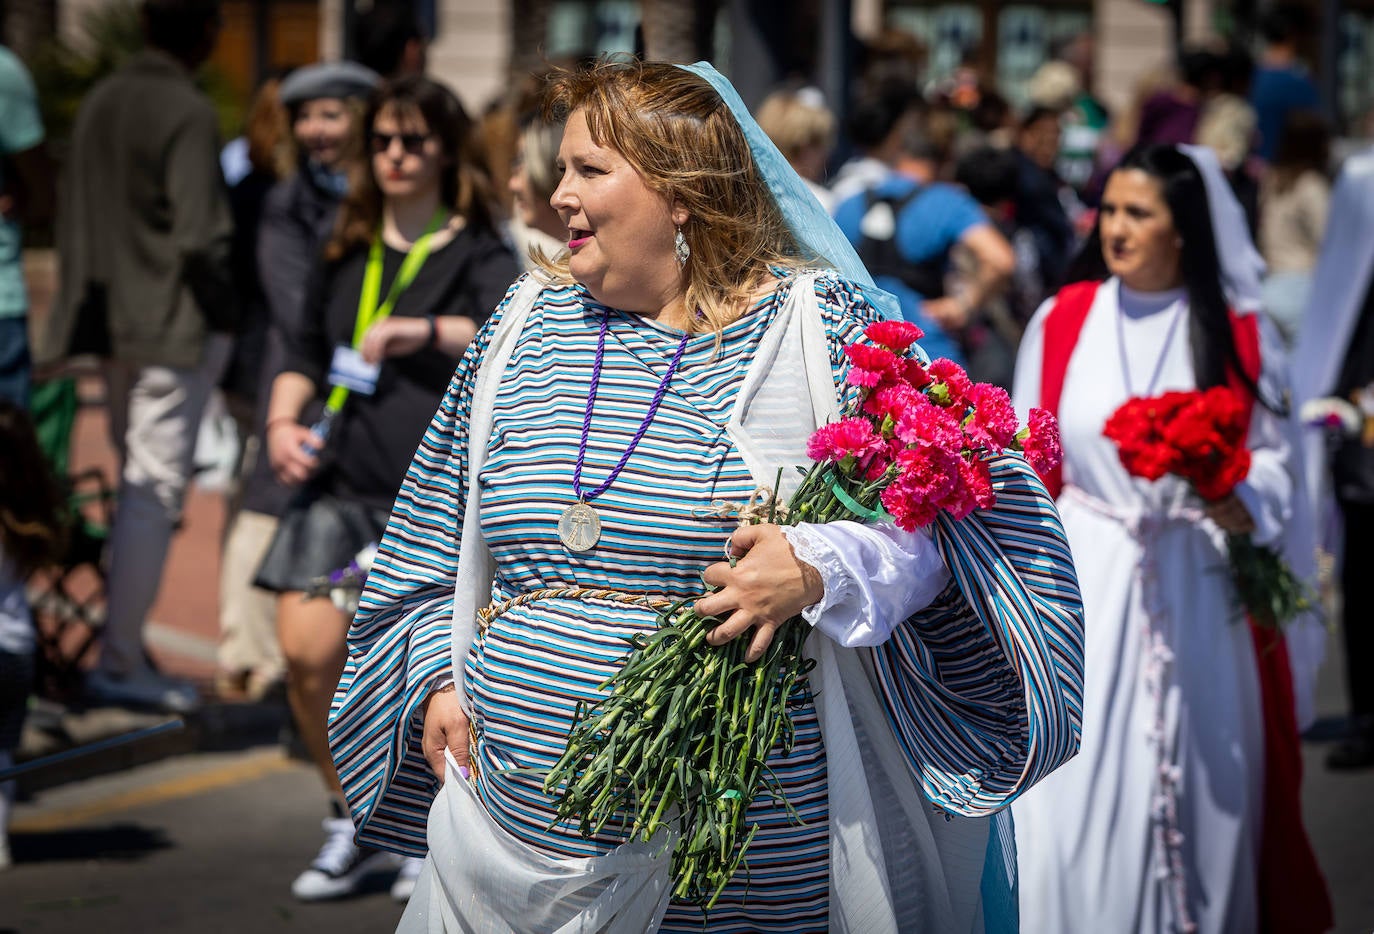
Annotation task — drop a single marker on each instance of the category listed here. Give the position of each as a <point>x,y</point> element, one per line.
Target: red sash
<point>1292,891</point>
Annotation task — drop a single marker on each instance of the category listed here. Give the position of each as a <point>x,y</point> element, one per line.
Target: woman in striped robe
<point>948,664</point>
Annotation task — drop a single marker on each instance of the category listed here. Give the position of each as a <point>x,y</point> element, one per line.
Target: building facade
<point>479,45</point>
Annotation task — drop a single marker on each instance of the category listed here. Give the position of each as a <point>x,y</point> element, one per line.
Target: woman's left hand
<point>1231,515</point>
<point>394,337</point>
<point>767,586</point>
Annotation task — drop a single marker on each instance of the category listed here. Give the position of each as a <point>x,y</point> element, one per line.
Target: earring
<point>680,248</point>
<point>1178,242</point>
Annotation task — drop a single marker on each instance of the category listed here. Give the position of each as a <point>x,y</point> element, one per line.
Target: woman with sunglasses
<point>413,268</point>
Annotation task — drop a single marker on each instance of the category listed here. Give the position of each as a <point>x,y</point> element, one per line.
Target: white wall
<point>1132,38</point>
<point>331,30</point>
<point>469,54</point>
<point>472,50</point>
<point>1135,37</point>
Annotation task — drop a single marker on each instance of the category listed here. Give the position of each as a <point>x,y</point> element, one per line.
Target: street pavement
<point>204,843</point>
<point>209,842</point>
<point>203,830</point>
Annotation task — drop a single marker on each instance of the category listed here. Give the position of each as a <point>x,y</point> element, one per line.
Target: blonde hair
<point>539,152</point>
<point>1227,127</point>
<point>673,127</point>
<point>797,121</point>
<point>1054,86</point>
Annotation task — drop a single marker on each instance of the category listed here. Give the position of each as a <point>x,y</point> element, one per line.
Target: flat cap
<point>328,79</point>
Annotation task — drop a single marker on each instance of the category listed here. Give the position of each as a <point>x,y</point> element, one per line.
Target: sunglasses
<point>413,143</point>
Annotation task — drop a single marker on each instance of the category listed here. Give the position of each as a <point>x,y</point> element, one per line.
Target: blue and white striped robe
<point>982,690</point>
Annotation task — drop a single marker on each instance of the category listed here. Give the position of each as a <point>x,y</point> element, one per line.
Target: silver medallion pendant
<point>579,528</point>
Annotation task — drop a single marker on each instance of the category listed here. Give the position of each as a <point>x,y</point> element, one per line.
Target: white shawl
<point>921,873</point>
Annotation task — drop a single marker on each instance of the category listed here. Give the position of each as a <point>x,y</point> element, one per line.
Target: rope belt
<point>1140,523</point>
<point>762,506</point>
<point>487,614</point>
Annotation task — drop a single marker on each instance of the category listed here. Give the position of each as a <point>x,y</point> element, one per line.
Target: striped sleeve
<point>399,642</point>
<point>984,688</point>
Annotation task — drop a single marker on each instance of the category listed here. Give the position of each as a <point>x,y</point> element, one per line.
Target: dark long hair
<point>464,187</point>
<point>30,524</point>
<point>1209,324</point>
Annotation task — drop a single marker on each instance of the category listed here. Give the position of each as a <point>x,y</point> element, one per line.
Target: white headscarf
<point>1339,282</point>
<point>1242,267</point>
<point>1345,269</point>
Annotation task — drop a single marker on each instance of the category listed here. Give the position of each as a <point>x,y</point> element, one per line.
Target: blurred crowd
<point>1008,194</point>
<point>364,225</point>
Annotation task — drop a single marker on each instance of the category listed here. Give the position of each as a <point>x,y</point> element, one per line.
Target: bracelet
<point>448,688</point>
<point>267,428</point>
<point>433,331</point>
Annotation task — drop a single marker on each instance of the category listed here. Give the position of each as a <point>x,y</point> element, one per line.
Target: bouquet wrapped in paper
<point>683,736</point>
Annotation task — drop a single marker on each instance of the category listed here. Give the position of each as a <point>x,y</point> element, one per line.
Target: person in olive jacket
<point>144,234</point>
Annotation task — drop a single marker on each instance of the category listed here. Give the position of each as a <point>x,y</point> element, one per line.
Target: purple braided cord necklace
<point>579,527</point>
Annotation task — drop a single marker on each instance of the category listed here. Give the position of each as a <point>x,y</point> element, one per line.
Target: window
<point>1355,70</point>
<point>580,27</point>
<point>1025,35</point>
<point>1025,38</point>
<point>949,31</point>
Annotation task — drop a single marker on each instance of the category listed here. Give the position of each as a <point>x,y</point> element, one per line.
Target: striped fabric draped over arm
<point>400,641</point>
<point>984,688</point>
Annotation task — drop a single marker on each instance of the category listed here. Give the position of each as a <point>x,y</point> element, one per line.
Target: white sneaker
<point>143,689</point>
<point>340,866</point>
<point>405,879</point>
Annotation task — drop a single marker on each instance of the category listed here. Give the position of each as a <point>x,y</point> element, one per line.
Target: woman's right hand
<point>445,727</point>
<point>286,449</point>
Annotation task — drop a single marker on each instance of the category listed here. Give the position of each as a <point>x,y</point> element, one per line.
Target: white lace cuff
<point>875,576</point>
<point>820,554</point>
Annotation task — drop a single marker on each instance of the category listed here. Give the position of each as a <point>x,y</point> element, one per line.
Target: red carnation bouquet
<point>1200,436</point>
<point>684,734</point>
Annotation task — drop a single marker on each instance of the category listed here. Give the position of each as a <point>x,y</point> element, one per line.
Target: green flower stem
<point>1266,587</point>
<point>687,727</point>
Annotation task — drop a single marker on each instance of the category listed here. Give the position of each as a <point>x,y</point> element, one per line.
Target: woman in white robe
<point>1156,825</point>
<point>1341,287</point>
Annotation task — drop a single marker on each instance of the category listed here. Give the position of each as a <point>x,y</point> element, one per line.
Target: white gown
<point>1103,846</point>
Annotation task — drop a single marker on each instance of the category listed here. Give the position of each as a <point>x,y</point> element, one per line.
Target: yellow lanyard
<point>369,310</point>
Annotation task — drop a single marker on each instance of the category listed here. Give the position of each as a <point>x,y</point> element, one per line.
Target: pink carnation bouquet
<point>682,738</point>
<point>915,440</point>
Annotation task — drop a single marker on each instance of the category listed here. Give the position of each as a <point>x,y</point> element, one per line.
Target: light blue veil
<point>819,238</point>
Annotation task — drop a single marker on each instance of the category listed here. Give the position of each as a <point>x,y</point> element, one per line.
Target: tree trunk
<point>678,30</point>
<point>529,36</point>
<point>27,24</point>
